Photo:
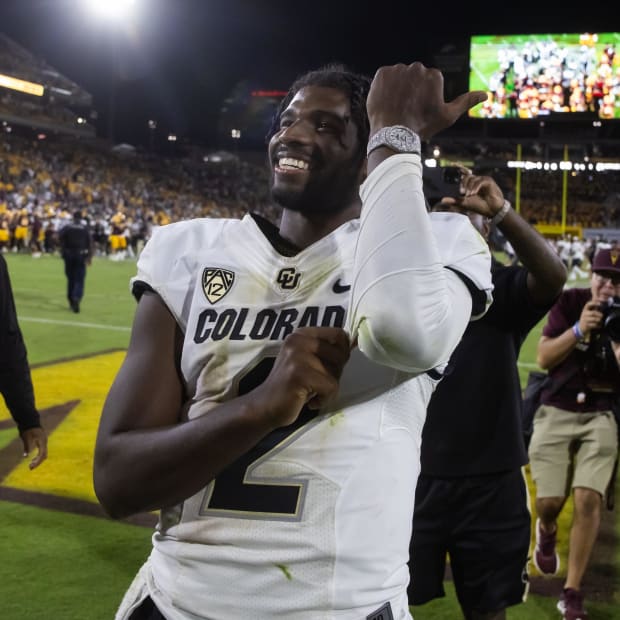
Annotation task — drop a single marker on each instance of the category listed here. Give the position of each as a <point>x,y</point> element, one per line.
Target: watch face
<point>398,138</point>
<point>401,139</point>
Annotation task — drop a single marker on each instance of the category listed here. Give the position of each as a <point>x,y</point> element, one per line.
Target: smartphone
<point>440,182</point>
<point>451,175</point>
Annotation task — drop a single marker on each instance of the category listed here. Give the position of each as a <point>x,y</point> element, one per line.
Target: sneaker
<point>546,558</point>
<point>571,605</point>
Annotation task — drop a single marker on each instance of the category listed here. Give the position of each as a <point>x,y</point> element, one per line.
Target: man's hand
<point>306,372</point>
<point>479,194</point>
<point>591,317</point>
<point>412,95</point>
<point>35,438</point>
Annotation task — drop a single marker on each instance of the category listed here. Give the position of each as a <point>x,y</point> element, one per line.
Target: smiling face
<point>316,161</point>
<point>605,285</point>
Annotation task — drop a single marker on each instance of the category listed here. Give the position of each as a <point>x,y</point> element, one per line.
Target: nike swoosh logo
<point>340,288</point>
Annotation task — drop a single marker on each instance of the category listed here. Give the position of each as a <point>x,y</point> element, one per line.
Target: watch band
<point>399,138</point>
<point>501,214</point>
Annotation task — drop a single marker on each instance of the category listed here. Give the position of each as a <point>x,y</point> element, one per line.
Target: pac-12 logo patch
<point>216,283</point>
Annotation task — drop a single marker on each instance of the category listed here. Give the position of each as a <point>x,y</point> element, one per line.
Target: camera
<point>611,318</point>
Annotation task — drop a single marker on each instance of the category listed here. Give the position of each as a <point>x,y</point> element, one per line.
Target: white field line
<point>17,289</point>
<point>115,328</point>
<point>480,75</point>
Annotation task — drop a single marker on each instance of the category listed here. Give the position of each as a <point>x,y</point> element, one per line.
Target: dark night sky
<point>183,57</point>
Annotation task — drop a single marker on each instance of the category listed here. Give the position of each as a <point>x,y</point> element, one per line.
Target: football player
<point>273,396</point>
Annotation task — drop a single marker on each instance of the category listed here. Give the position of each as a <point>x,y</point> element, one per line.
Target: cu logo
<point>288,278</point>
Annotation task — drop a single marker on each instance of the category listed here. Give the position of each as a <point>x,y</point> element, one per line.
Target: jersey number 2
<point>237,493</point>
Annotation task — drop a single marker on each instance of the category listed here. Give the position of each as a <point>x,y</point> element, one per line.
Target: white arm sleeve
<point>407,310</point>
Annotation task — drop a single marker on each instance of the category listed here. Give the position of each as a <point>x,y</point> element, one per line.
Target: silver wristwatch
<point>396,137</point>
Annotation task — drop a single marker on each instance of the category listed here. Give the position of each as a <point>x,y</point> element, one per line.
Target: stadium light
<point>112,10</point>
<point>119,17</point>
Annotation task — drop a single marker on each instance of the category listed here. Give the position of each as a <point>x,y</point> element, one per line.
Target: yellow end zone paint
<point>68,470</point>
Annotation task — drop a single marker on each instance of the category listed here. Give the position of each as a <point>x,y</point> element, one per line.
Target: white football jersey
<point>316,519</point>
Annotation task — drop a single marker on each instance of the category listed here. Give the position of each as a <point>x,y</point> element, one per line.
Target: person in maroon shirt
<point>575,440</point>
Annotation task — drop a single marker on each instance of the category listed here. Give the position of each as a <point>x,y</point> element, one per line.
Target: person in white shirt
<point>272,399</point>
<point>577,253</point>
<point>563,246</point>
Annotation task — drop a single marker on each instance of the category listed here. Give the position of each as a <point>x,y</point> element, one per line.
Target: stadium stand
<point>62,107</point>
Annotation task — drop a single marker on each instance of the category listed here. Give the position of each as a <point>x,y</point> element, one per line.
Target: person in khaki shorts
<point>575,440</point>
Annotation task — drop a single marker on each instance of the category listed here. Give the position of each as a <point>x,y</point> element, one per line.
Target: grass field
<point>71,564</point>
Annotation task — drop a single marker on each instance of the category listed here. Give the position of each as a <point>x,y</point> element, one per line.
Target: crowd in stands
<point>42,183</point>
<point>53,109</point>
<point>17,61</point>
<point>593,200</point>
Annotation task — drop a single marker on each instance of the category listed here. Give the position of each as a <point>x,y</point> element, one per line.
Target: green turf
<point>50,329</point>
<point>536,608</point>
<point>60,566</point>
<point>56,565</point>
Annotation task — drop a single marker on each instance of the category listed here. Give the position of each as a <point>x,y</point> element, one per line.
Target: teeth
<point>289,162</point>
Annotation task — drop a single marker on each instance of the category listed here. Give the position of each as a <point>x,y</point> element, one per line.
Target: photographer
<point>575,439</point>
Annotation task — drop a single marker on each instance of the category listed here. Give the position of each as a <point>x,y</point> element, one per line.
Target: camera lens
<point>611,318</point>
<point>612,326</point>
